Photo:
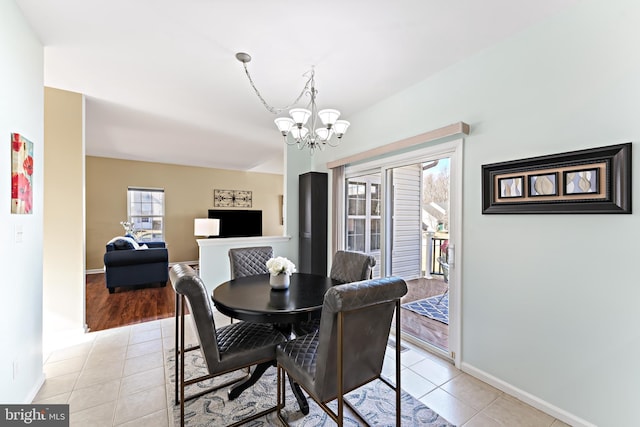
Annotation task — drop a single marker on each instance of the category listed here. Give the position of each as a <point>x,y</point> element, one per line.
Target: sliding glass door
<point>399,212</point>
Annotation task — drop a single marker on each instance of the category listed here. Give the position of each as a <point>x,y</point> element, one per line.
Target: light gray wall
<point>549,302</point>
<point>21,111</point>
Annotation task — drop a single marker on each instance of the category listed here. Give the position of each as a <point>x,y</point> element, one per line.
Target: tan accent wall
<point>63,224</point>
<point>188,195</point>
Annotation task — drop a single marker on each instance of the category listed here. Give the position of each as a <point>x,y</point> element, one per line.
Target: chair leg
<point>398,364</point>
<point>445,292</point>
<point>340,383</point>
<point>181,362</point>
<point>280,385</point>
<point>177,308</point>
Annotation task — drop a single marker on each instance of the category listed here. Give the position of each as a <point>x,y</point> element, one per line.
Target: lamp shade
<point>328,116</point>
<point>284,124</point>
<point>300,115</point>
<point>206,227</point>
<point>299,133</point>
<point>340,127</point>
<point>323,134</point>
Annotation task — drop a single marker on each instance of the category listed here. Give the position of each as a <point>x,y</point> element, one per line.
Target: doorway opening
<point>425,308</point>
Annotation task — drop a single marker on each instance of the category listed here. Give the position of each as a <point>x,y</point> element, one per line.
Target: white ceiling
<point>163,85</point>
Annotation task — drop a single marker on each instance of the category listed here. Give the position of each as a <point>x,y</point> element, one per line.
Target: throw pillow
<point>124,243</point>
<point>131,236</point>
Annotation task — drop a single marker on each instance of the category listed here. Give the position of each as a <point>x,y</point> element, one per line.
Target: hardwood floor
<point>421,327</point>
<point>126,305</point>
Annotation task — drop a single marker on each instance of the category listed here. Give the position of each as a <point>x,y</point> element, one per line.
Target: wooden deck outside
<point>421,327</point>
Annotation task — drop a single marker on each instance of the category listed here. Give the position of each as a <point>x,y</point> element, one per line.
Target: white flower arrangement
<point>280,265</point>
<point>128,227</point>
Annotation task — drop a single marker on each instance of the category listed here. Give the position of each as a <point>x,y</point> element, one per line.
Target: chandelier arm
<point>328,142</point>
<point>276,110</point>
<point>286,140</point>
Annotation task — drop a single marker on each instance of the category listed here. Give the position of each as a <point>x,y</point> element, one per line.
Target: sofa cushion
<point>135,258</point>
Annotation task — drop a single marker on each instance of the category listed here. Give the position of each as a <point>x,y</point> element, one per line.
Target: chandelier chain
<point>278,110</point>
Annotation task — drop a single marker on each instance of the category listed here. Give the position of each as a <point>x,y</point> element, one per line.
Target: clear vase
<point>279,281</point>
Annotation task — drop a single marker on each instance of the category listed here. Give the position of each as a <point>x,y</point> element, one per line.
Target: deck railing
<point>432,242</point>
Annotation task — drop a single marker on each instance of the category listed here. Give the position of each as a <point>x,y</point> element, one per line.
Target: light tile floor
<point>118,377</point>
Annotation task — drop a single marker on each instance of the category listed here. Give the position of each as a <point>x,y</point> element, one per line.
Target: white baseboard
<point>528,398</point>
<point>171,264</point>
<point>35,389</point>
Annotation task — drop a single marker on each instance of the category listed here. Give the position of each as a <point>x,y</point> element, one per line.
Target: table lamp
<point>208,227</point>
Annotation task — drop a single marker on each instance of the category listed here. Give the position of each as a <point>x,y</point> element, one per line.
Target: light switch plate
<point>18,233</point>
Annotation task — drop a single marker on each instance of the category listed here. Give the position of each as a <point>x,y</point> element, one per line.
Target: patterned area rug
<point>431,308</point>
<point>375,401</point>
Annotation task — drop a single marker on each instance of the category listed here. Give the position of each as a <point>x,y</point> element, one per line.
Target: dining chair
<point>249,261</point>
<point>350,266</point>
<point>445,274</point>
<point>346,267</point>
<point>348,349</point>
<point>225,349</point>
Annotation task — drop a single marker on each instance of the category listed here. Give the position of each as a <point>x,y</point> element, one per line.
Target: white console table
<point>214,255</point>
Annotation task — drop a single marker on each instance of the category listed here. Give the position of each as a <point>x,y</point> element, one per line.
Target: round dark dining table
<point>251,298</point>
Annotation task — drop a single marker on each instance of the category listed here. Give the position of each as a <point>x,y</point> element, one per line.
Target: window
<point>363,214</point>
<point>145,210</point>
<point>374,215</point>
<point>357,198</point>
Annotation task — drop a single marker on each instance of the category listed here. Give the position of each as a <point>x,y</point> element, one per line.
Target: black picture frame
<point>533,191</point>
<point>511,187</point>
<point>612,193</point>
<point>594,182</point>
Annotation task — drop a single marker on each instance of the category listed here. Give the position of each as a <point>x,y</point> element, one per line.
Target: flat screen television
<point>238,222</point>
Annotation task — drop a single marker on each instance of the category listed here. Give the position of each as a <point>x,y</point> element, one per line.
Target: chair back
<point>189,285</point>
<point>249,261</point>
<point>445,268</point>
<point>348,266</point>
<point>367,309</point>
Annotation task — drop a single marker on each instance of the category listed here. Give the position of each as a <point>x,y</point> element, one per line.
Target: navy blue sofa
<point>126,266</point>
